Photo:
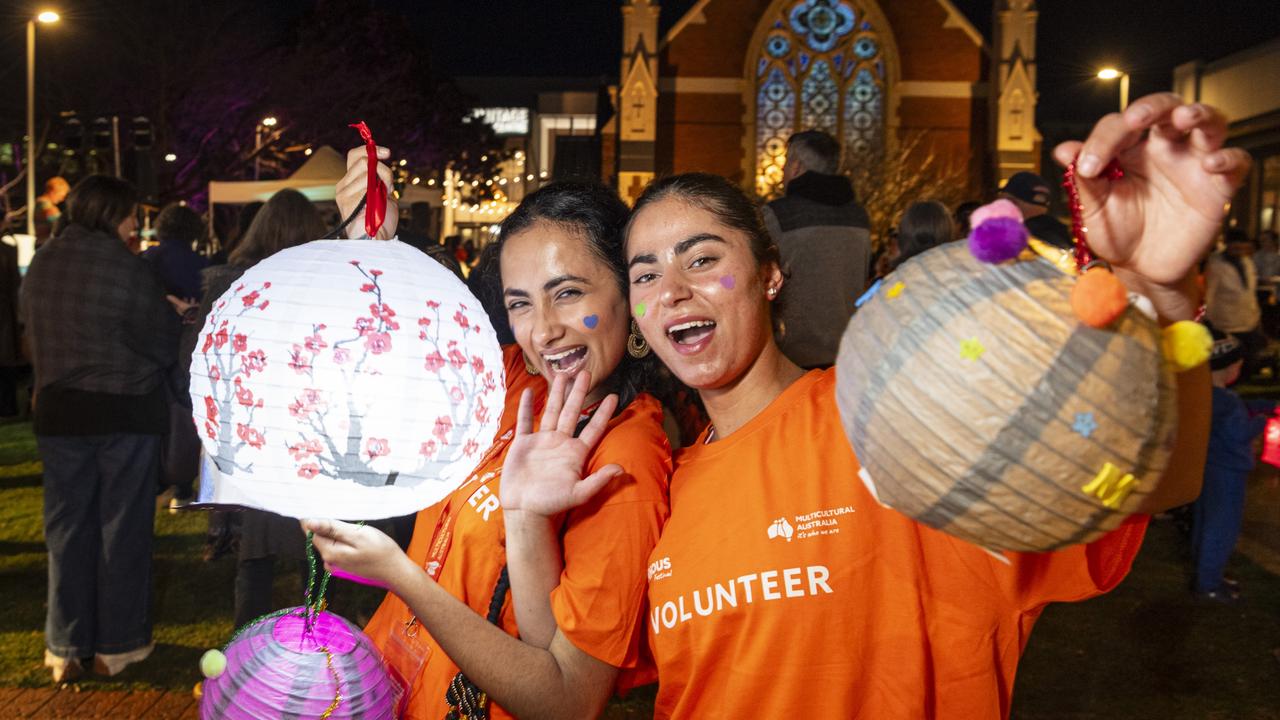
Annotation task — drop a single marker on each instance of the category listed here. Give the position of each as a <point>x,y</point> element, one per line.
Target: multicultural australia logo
<point>781,529</point>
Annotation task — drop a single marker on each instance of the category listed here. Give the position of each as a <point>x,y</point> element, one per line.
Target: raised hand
<point>353,186</point>
<point>1161,218</point>
<point>358,550</point>
<point>542,474</point>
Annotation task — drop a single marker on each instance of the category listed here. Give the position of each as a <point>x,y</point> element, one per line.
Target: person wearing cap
<point>1231,296</point>
<point>1031,194</point>
<point>1219,511</point>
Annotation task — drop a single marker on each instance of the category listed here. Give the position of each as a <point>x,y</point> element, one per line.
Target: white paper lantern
<point>355,379</point>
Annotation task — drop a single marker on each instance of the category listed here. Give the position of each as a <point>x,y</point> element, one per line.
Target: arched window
<point>820,68</point>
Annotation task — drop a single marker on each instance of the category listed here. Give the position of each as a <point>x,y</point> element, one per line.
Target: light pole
<point>47,16</point>
<point>1112,74</point>
<point>266,122</point>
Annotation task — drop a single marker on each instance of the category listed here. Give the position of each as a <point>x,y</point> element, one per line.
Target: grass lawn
<point>1146,650</point>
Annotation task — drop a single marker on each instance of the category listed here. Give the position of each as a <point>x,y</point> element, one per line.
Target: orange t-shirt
<point>598,605</point>
<point>780,588</point>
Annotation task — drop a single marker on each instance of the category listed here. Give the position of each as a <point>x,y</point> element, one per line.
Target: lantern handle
<point>337,233</point>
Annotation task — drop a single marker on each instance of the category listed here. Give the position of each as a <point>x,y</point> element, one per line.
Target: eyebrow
<point>681,248</point>
<point>547,286</point>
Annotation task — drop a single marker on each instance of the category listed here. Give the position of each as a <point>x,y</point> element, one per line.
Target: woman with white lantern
<point>805,594</point>
<point>578,618</point>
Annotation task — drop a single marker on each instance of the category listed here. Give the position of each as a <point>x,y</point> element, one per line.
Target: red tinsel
<point>1084,255</point>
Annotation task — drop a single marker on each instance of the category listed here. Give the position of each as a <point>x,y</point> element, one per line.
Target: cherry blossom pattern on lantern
<point>452,363</point>
<point>230,363</point>
<point>462,371</point>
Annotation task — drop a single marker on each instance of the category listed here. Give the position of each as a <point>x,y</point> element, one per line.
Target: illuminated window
<point>820,68</point>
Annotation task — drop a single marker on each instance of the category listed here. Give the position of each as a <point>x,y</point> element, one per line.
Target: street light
<point>1112,74</point>
<point>46,17</point>
<point>266,122</point>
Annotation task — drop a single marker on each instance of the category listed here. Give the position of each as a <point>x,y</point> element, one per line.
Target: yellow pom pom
<point>1187,344</point>
<point>213,663</point>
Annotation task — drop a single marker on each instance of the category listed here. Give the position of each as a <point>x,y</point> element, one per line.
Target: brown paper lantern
<point>980,406</point>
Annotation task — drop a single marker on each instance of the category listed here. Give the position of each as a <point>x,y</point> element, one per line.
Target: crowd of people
<point>611,561</point>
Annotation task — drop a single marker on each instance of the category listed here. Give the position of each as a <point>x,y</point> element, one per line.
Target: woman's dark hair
<point>286,220</point>
<point>597,215</point>
<point>179,223</point>
<point>101,203</point>
<point>721,198</point>
<point>925,225</point>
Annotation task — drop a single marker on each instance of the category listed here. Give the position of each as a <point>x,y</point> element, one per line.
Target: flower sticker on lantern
<point>317,399</point>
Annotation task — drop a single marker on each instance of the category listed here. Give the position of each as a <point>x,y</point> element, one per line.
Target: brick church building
<point>727,84</point>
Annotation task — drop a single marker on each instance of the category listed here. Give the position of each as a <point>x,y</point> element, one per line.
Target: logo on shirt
<point>780,528</point>
<point>814,524</point>
<point>659,569</point>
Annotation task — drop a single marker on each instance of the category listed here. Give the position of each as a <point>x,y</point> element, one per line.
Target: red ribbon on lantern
<point>1271,441</point>
<point>375,210</point>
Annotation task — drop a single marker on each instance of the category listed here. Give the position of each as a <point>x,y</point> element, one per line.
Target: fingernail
<point>1089,165</point>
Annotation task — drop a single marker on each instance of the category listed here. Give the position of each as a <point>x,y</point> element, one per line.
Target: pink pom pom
<point>999,209</point>
<point>998,239</point>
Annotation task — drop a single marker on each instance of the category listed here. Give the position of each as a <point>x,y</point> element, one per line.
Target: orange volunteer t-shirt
<point>780,587</point>
<point>599,602</point>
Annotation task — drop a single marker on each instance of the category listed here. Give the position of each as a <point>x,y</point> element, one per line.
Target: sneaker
<point>63,669</point>
<point>113,664</point>
<point>1221,596</point>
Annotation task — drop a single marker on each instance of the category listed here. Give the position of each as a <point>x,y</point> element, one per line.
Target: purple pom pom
<point>998,239</point>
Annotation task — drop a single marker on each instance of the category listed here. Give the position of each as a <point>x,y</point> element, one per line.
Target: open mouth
<point>691,334</point>
<point>567,361</point>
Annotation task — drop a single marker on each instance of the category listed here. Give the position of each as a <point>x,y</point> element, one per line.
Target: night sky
<point>581,38</point>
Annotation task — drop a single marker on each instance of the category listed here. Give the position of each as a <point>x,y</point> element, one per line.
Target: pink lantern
<point>356,379</point>
<point>292,665</point>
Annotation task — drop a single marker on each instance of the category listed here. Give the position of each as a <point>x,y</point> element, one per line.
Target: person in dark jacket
<point>1219,511</point>
<point>102,338</point>
<point>175,259</point>
<point>825,241</point>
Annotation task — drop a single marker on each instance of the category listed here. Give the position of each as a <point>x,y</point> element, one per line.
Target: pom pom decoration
<point>213,663</point>
<point>1098,297</point>
<point>299,664</point>
<point>990,446</point>
<point>1187,344</point>
<point>354,379</point>
<point>998,239</point>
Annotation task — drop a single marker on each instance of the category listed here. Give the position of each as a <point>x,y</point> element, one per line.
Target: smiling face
<point>564,304</point>
<point>699,295</point>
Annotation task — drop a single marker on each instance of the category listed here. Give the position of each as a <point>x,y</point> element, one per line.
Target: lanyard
<point>442,537</point>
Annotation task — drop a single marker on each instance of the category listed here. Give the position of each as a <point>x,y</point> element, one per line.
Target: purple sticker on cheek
<point>727,282</point>
<point>591,321</point>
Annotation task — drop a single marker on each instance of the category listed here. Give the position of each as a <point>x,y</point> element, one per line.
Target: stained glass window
<point>821,68</point>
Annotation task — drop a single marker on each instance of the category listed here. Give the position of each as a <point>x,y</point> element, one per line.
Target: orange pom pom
<point>1098,297</point>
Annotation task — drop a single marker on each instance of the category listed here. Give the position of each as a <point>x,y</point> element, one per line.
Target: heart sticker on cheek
<point>591,321</point>
<point>727,282</point>
<point>640,308</point>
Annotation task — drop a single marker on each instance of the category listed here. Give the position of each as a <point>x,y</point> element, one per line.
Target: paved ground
<point>69,703</point>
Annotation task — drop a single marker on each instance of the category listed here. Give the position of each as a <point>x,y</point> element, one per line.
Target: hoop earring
<point>528,366</point>
<point>637,346</point>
